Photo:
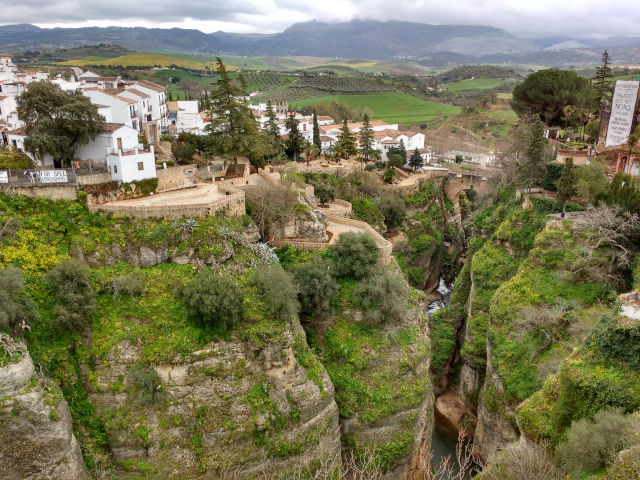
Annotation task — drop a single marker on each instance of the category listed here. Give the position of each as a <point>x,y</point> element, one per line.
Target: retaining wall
<point>384,245</point>
<point>52,192</point>
<point>93,179</point>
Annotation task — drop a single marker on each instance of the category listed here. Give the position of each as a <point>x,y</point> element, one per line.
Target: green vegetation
<point>354,254</point>
<point>382,296</point>
<point>391,107</point>
<point>477,84</point>
<point>10,158</point>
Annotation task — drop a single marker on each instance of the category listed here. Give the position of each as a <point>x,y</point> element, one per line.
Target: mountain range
<point>355,39</point>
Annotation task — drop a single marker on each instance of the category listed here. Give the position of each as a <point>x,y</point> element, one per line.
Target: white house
<point>156,121</point>
<point>123,109</point>
<point>326,142</point>
<point>187,117</point>
<point>88,75</point>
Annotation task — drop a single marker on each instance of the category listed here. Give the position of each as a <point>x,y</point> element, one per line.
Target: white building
<point>123,110</point>
<point>185,117</point>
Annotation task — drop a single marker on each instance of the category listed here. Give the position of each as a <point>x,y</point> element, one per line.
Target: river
<point>444,440</point>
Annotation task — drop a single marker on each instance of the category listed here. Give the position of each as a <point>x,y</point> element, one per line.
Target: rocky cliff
<point>36,439</point>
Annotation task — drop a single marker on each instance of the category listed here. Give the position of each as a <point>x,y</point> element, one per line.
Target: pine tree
<point>403,151</point>
<point>416,159</point>
<point>531,168</point>
<point>316,133</point>
<point>346,145</point>
<point>366,140</point>
<point>233,130</point>
<point>295,142</point>
<point>566,184</point>
<point>170,96</point>
<point>271,125</point>
<point>603,80</point>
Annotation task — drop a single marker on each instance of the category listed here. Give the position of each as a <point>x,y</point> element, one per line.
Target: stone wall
<point>233,204</point>
<point>52,192</point>
<point>384,245</point>
<point>172,177</point>
<point>93,179</point>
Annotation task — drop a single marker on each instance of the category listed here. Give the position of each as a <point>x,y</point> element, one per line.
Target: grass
<point>393,107</point>
<point>150,60</point>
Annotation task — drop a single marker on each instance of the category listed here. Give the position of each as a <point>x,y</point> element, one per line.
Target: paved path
<point>336,229</point>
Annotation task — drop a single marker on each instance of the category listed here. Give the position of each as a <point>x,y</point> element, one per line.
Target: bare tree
<point>523,460</point>
<point>272,205</point>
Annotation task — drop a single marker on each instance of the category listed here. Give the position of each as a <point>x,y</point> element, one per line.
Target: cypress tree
<point>416,159</point>
<point>295,142</point>
<point>316,132</point>
<point>366,139</point>
<point>566,184</point>
<point>346,145</point>
<point>603,80</point>
<point>271,125</point>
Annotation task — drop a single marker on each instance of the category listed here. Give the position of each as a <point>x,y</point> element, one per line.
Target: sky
<point>524,18</point>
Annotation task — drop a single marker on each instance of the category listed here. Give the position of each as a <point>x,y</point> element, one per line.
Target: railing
<point>58,176</point>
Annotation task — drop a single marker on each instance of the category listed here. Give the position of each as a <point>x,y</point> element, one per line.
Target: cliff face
<point>36,439</point>
<point>231,407</point>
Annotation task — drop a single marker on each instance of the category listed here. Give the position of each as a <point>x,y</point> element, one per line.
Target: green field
<point>394,107</point>
<point>477,84</point>
<point>505,115</point>
<point>150,60</point>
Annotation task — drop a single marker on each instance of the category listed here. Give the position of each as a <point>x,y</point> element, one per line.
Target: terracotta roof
<point>17,131</point>
<point>151,85</point>
<point>324,138</point>
<point>130,101</point>
<point>112,127</point>
<point>138,93</point>
<point>379,135</point>
<point>2,98</point>
<point>325,117</point>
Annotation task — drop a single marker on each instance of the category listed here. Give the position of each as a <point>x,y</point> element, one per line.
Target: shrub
<point>627,466</point>
<point>354,254</point>
<point>382,295</point>
<point>75,299</point>
<point>523,460</point>
<point>213,302</point>
<point>324,192</point>
<point>551,176</point>
<point>277,290</point>
<point>183,152</point>
<point>129,284</point>
<point>394,211</point>
<point>147,385</point>
<point>316,285</point>
<point>367,210</point>
<point>16,308</point>
<point>592,444</point>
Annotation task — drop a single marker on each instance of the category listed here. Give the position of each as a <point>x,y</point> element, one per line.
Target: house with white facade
<point>156,121</point>
<point>123,110</point>
<point>185,116</point>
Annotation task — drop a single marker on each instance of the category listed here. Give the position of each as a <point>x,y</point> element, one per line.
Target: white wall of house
<point>120,111</point>
<point>133,166</point>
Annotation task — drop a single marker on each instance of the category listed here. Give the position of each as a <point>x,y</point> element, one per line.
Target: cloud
<point>523,18</point>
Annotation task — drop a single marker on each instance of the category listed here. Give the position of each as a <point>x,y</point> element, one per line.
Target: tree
<point>382,295</point>
<point>18,310</point>
<point>523,460</point>
<point>603,80</point>
<point>232,129</point>
<point>531,168</point>
<point>316,133</point>
<point>316,285</point>
<point>546,92</point>
<point>271,125</point>
<point>213,301</point>
<point>402,151</point>
<point>74,297</point>
<point>394,159</point>
<point>394,210</point>
<point>366,140</point>
<point>295,142</point>
<point>459,159</point>
<point>269,206</point>
<point>57,122</point>
<point>415,161</point>
<point>592,180</point>
<point>182,151</point>
<point>345,147</point>
<point>389,174</point>
<point>354,254</point>
<point>324,192</point>
<point>277,290</point>
<point>566,184</point>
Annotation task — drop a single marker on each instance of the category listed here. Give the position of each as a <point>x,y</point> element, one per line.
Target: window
<point>140,166</point>
<point>115,169</point>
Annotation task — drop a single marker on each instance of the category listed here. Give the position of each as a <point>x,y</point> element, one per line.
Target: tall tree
<point>345,147</point>
<point>366,140</point>
<point>232,129</point>
<point>603,80</point>
<point>295,142</point>
<point>271,125</point>
<point>566,184</point>
<point>316,133</point>
<point>531,166</point>
<point>57,122</point>
<point>402,151</point>
<point>546,92</point>
<point>416,159</point>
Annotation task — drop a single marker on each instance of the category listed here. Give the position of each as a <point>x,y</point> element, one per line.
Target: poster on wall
<point>623,106</point>
<point>53,176</point>
<point>4,176</point>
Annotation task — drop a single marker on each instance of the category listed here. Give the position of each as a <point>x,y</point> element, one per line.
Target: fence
<point>59,176</point>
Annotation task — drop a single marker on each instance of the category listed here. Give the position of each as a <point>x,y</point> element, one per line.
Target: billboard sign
<point>53,176</point>
<point>623,107</point>
<point>4,176</point>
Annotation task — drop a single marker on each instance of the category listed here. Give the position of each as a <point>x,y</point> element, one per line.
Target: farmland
<point>149,60</point>
<point>392,107</point>
<point>477,84</point>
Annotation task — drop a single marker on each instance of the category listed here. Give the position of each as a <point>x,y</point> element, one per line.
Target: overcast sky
<point>520,17</point>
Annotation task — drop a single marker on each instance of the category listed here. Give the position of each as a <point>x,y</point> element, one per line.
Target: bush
<point>394,211</point>
<point>592,444</point>
<point>523,460</point>
<point>147,385</point>
<point>382,296</point>
<point>354,254</point>
<point>324,192</point>
<point>213,302</point>
<point>131,284</point>
<point>183,152</point>
<point>367,210</point>
<point>316,285</point>
<point>16,308</point>
<point>278,291</point>
<point>10,158</point>
<point>75,299</point>
<point>627,466</point>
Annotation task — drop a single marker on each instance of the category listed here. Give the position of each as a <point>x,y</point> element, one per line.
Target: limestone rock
<point>36,439</point>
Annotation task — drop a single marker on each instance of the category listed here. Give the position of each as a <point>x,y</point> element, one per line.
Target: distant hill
<point>436,45</point>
